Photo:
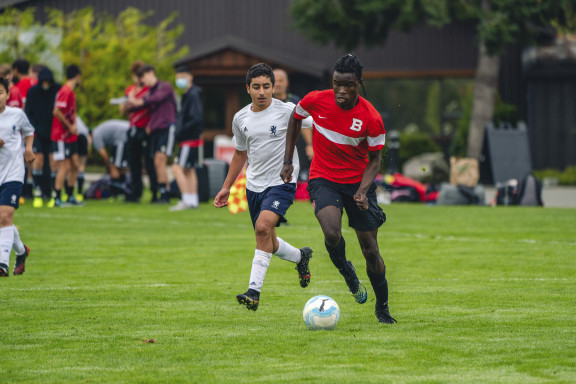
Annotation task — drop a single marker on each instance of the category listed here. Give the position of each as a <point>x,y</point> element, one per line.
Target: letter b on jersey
<point>356,125</point>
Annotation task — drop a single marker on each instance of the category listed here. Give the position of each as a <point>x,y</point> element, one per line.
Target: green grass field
<point>482,295</point>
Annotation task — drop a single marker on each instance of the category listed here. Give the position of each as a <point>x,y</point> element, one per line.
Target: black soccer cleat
<point>250,299</point>
<point>3,270</point>
<point>383,314</point>
<point>21,262</point>
<point>303,268</point>
<point>354,285</point>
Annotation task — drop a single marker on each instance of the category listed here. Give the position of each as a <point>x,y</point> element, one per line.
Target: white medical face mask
<point>182,83</point>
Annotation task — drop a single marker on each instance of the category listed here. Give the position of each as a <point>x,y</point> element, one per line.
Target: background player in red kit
<point>65,136</point>
<point>348,138</point>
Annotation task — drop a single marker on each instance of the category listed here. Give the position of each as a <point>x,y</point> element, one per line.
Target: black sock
<point>57,193</point>
<point>69,190</point>
<point>53,180</point>
<point>164,191</point>
<point>80,182</point>
<point>338,255</point>
<point>380,286</point>
<point>37,176</point>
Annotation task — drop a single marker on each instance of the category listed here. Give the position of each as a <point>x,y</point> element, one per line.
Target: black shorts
<point>82,145</point>
<point>10,193</point>
<point>187,157</point>
<point>62,151</point>
<point>324,193</point>
<point>162,140</point>
<point>41,145</point>
<point>118,156</point>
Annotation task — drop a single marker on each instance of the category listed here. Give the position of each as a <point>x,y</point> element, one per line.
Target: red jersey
<point>15,100</point>
<point>341,138</point>
<point>141,117</point>
<point>66,102</point>
<point>24,85</point>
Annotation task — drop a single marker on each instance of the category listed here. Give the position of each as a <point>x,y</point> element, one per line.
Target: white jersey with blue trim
<point>14,125</point>
<point>263,135</point>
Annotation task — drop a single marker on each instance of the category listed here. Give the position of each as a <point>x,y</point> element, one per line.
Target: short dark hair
<point>5,83</point>
<point>349,64</point>
<point>37,67</point>
<point>183,69</point>
<point>260,69</point>
<point>145,69</point>
<point>21,65</point>
<point>135,67</point>
<point>72,71</point>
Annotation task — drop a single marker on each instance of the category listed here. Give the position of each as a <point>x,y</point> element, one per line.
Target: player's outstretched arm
<point>292,133</point>
<point>236,165</point>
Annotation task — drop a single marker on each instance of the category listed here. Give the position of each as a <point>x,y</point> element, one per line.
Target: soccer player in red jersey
<point>65,137</point>
<point>348,138</point>
<point>22,80</point>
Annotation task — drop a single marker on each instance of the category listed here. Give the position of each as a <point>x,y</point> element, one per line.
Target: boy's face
<point>345,86</point>
<point>3,97</point>
<point>260,90</point>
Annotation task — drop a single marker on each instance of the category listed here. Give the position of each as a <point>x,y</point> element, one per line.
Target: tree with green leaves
<point>351,23</point>
<point>104,47</point>
<point>20,36</point>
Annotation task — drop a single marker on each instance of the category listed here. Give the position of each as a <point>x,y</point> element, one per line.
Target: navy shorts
<point>187,157</point>
<point>276,199</point>
<point>10,193</point>
<point>324,193</point>
<point>162,140</point>
<point>82,145</point>
<point>41,145</point>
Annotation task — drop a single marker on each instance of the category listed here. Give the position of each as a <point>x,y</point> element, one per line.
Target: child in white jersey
<point>259,136</point>
<point>13,126</point>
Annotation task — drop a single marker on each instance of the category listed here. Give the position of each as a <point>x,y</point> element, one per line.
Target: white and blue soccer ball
<point>321,312</point>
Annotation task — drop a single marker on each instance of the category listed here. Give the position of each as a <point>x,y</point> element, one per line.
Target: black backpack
<point>526,192</point>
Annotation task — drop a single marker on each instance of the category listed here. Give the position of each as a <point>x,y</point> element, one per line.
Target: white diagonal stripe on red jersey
<point>377,141</point>
<point>336,137</point>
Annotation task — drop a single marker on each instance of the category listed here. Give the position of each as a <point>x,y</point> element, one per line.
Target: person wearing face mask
<point>39,109</point>
<point>189,136</point>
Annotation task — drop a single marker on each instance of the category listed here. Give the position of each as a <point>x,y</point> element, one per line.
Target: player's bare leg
<point>330,219</point>
<point>376,270</point>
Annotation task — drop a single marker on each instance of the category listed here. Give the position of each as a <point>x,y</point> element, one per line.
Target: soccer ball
<point>321,312</point>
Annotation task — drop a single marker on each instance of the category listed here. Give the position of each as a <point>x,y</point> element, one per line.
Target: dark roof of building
<point>265,29</point>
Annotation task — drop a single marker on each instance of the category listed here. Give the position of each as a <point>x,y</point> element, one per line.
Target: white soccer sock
<point>188,199</point>
<point>18,245</point>
<point>260,265</point>
<point>195,200</point>
<point>287,252</point>
<point>6,242</point>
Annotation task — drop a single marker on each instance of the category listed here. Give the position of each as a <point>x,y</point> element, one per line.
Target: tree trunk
<point>485,86</point>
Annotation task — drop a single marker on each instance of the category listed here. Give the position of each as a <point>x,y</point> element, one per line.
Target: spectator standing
<point>40,111</point>
<point>161,102</point>
<point>304,143</point>
<point>21,77</point>
<point>189,135</point>
<point>138,142</point>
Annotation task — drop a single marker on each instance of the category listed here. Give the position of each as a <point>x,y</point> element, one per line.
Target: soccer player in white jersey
<point>348,139</point>
<point>259,136</point>
<point>13,126</point>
